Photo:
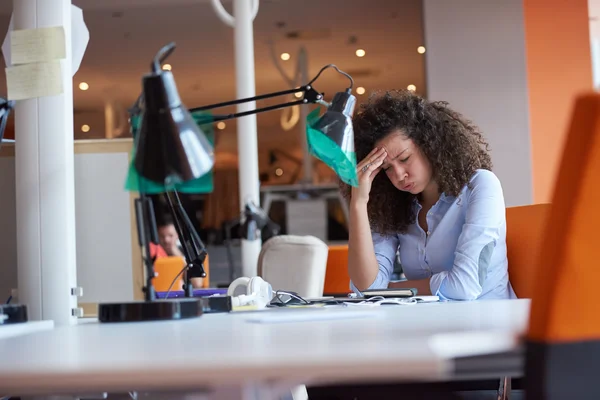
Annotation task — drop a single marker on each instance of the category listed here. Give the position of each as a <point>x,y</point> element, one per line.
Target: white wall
<point>476,61</point>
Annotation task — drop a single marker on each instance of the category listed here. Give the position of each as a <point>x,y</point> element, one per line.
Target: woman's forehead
<point>395,142</point>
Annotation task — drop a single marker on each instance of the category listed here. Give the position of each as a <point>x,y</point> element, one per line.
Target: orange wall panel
<point>559,67</point>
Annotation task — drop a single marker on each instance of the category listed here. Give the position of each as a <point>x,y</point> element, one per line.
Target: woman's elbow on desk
<point>380,282</point>
<point>449,287</point>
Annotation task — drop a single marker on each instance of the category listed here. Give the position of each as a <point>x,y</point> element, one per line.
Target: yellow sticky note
<point>37,45</point>
<point>29,81</point>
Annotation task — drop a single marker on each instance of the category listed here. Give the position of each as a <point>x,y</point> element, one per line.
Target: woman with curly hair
<point>427,191</point>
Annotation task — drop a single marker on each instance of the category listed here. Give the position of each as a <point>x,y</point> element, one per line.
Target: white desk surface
<point>404,343</point>
<point>11,330</point>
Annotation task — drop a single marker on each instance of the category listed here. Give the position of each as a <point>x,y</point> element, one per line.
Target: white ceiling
<point>125,35</point>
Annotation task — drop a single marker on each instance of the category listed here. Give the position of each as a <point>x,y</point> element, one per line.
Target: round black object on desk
<point>159,310</point>
<point>13,314</point>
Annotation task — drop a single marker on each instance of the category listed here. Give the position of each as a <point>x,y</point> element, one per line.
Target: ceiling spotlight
<point>360,53</point>
<point>360,90</point>
<point>285,56</point>
<point>85,128</point>
<point>84,86</point>
<point>421,50</point>
<point>166,67</point>
<point>221,125</point>
<point>299,95</point>
<point>412,88</point>
<point>279,172</point>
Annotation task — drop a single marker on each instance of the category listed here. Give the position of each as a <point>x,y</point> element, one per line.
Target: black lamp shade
<point>171,148</point>
<point>336,122</point>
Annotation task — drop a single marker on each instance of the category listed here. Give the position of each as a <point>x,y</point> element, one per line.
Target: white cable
<point>379,300</point>
<point>227,18</point>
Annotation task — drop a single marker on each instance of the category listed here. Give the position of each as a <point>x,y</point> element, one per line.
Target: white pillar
<point>246,126</point>
<point>595,51</point>
<point>45,182</point>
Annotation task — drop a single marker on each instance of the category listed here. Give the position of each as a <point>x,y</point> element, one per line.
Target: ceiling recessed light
<point>299,94</point>
<point>421,49</point>
<point>279,172</point>
<point>412,88</point>
<point>85,128</point>
<point>285,56</point>
<point>221,125</point>
<point>84,86</point>
<point>166,67</point>
<point>360,90</point>
<point>360,53</point>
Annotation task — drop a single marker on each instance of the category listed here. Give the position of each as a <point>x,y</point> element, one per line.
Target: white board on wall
<point>103,227</point>
<point>8,228</point>
<point>104,223</point>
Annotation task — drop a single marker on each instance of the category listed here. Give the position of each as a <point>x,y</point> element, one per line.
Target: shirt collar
<point>447,198</point>
<point>443,197</point>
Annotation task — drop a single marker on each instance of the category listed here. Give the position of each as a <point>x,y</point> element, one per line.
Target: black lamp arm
<point>311,96</point>
<point>147,233</point>
<point>194,250</point>
<point>248,99</point>
<point>161,56</point>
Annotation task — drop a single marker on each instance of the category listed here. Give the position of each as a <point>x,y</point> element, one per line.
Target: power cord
<point>175,280</point>
<point>283,303</point>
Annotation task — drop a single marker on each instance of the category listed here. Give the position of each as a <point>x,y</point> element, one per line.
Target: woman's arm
<point>362,263</point>
<point>485,215</point>
<point>370,255</point>
<point>363,267</point>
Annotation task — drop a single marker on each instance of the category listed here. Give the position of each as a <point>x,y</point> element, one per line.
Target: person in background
<point>169,241</point>
<point>156,251</point>
<point>426,190</point>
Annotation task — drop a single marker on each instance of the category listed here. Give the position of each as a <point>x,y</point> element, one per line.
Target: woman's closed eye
<point>405,159</point>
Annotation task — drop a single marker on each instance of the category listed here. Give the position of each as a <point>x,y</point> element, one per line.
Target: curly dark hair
<point>454,147</point>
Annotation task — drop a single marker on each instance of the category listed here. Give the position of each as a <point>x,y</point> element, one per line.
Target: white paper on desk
<point>37,45</point>
<point>306,316</point>
<point>29,81</point>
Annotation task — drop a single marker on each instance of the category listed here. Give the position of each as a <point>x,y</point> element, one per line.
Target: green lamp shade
<point>330,137</point>
<point>137,183</point>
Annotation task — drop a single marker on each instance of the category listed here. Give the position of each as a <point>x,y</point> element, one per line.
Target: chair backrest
<point>563,341</point>
<point>524,233</point>
<point>165,271</point>
<point>337,280</point>
<point>294,263</point>
<point>167,268</point>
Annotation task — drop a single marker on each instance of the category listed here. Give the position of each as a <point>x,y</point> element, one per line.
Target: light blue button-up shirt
<point>464,251</point>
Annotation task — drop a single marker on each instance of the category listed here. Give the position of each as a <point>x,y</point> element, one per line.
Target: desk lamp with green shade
<point>173,154</point>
